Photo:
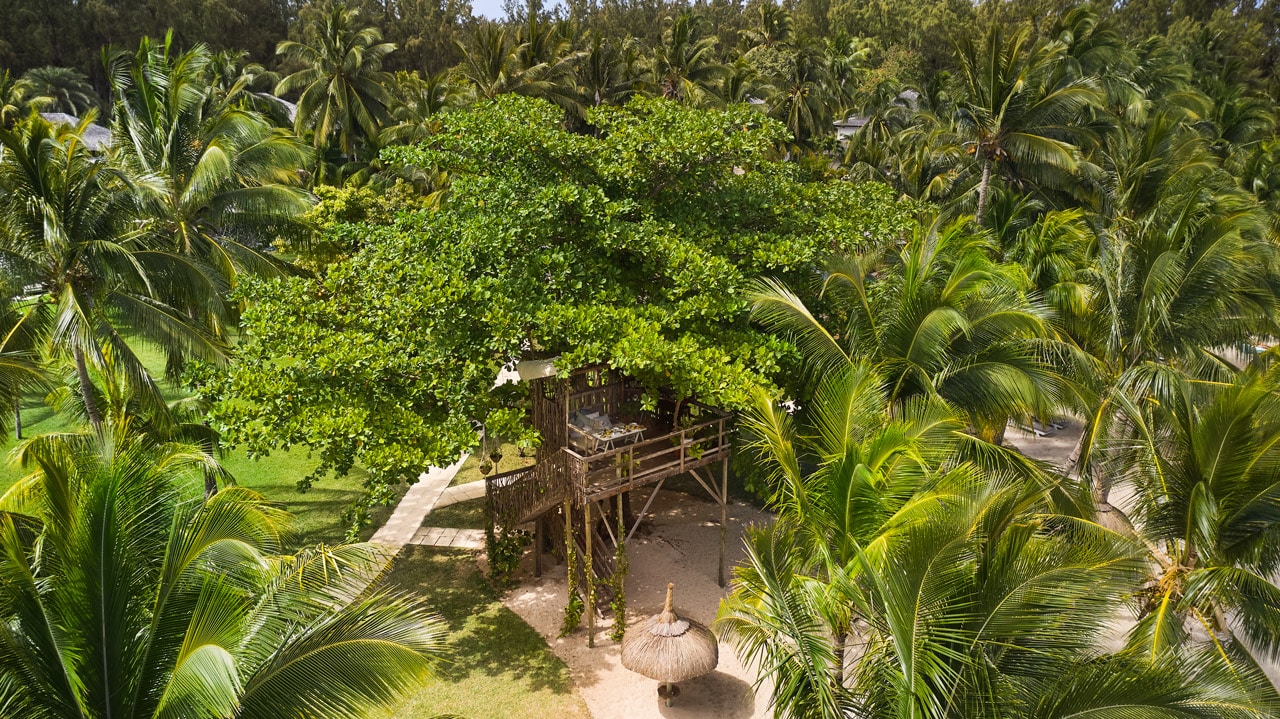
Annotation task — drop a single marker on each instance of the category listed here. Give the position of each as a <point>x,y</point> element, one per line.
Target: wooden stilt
<point>539,542</point>
<point>724,512</point>
<point>591,577</point>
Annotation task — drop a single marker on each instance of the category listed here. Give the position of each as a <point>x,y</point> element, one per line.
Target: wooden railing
<point>630,466</point>
<point>523,494</point>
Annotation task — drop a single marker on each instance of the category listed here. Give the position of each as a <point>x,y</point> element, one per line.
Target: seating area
<point>593,431</point>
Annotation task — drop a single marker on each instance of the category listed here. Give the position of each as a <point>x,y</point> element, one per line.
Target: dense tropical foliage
<point>886,232</point>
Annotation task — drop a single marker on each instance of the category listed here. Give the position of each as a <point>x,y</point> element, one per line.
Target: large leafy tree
<point>69,226</point>
<point>612,248</point>
<point>122,597</point>
<point>343,94</point>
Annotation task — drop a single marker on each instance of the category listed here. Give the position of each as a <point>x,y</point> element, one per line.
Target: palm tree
<point>125,598</point>
<point>15,99</point>
<point>903,579</point>
<point>70,227</point>
<point>61,89</point>
<point>533,61</point>
<point>802,101</point>
<point>773,26</point>
<point>419,99</point>
<point>343,92</point>
<point>1203,464</point>
<point>684,65</point>
<point>1018,115</point>
<point>1181,272</point>
<point>609,73</point>
<point>945,320</point>
<point>217,184</point>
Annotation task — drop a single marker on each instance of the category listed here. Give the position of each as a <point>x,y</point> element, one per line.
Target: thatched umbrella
<point>670,649</point>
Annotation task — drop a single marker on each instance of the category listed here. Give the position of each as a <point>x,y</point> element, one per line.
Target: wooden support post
<point>724,512</point>
<point>591,576</point>
<point>539,542</point>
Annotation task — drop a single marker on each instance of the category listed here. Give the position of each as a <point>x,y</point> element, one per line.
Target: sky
<point>492,9</point>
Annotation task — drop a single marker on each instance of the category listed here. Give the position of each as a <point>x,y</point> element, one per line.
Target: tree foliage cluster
<point>634,247</point>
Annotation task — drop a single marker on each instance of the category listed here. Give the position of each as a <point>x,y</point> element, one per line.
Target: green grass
<point>501,668</point>
<point>318,511</point>
<point>463,515</point>
<point>511,459</point>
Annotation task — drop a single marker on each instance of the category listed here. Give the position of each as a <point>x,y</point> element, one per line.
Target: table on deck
<point>609,438</point>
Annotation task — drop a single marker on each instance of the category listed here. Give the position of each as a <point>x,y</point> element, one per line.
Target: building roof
<point>95,137</point>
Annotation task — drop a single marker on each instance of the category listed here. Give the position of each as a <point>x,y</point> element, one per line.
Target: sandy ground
<point>681,547</point>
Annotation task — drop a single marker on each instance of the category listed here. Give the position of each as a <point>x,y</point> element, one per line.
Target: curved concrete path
<point>431,491</point>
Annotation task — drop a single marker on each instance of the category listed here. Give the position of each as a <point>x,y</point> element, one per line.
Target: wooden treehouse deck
<point>523,495</point>
<point>577,474</point>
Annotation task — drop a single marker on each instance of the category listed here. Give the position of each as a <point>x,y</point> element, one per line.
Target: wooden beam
<point>645,510</point>
<point>724,513</point>
<point>591,578</point>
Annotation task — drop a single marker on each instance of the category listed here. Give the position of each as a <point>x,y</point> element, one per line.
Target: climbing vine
<point>573,609</point>
<point>621,565</point>
<point>504,547</point>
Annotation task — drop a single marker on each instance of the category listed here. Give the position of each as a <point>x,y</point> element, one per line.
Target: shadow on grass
<point>486,638</point>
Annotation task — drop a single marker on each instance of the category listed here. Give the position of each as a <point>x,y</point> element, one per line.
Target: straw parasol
<point>670,649</point>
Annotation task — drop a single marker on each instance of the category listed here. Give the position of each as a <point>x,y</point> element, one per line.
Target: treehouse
<point>603,437</point>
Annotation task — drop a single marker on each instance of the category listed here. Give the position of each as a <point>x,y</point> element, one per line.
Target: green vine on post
<point>621,565</point>
<point>572,610</point>
<point>504,547</point>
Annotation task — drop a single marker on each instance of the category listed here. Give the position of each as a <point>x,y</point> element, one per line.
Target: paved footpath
<point>417,503</point>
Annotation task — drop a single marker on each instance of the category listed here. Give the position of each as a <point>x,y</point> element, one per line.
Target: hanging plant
<point>573,609</point>
<point>621,565</point>
<point>486,466</point>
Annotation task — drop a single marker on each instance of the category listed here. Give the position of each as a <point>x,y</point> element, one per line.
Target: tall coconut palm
<point>1019,117</point>
<point>343,92</point>
<point>802,100</point>
<point>61,89</point>
<point>217,184</point>
<point>70,227</point>
<point>945,320</point>
<point>122,597</point>
<point>1204,465</point>
<point>532,61</point>
<point>419,101</point>
<point>902,581</point>
<point>685,68</point>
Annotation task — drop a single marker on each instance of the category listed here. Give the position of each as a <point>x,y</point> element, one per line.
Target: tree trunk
<point>86,389</point>
<point>837,646</point>
<point>983,188</point>
<point>17,418</point>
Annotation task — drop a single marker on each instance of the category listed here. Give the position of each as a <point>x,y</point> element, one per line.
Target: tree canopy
<point>635,247</point>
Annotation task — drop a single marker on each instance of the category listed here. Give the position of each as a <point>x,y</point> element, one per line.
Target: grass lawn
<point>501,669</point>
<point>463,515</point>
<point>511,459</point>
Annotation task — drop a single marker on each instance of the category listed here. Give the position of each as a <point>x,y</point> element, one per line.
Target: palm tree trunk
<point>17,419</point>
<point>86,389</point>
<point>983,188</point>
<point>837,646</point>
